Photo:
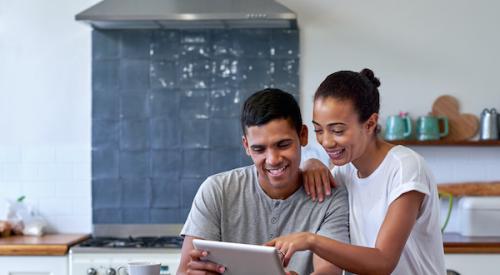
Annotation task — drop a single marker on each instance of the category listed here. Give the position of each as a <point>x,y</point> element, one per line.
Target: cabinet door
<point>33,265</point>
<point>473,264</point>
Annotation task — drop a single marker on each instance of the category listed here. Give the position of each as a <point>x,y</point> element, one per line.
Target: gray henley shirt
<point>232,207</point>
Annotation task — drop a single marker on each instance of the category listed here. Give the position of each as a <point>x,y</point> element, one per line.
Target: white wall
<point>419,49</point>
<point>45,110</point>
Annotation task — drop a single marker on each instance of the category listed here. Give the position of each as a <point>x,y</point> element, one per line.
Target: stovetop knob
<point>111,271</point>
<point>91,271</point>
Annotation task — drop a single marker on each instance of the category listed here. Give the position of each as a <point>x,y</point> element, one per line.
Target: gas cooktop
<point>133,242</point>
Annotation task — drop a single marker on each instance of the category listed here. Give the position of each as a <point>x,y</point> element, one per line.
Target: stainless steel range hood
<point>184,14</point>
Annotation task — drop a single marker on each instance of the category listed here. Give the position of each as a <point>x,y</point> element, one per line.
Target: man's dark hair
<point>269,104</point>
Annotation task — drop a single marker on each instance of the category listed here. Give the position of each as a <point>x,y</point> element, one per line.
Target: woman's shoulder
<point>408,167</point>
<point>406,158</point>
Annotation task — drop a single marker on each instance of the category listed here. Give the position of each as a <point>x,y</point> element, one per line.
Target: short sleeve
<point>412,175</point>
<point>336,223</point>
<point>204,218</point>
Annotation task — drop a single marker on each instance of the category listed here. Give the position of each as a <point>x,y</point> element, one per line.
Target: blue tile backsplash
<point>165,112</point>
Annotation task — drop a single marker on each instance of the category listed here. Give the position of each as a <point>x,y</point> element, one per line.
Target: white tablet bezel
<point>242,259</point>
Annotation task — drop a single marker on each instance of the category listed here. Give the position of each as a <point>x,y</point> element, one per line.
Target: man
<point>257,203</point>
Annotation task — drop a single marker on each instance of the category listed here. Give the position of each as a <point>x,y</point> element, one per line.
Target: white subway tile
<point>425,152</point>
<point>71,223</point>
<point>44,154</point>
<point>55,172</point>
<point>73,188</point>
<point>55,206</point>
<point>10,189</point>
<point>492,170</point>
<point>11,172</point>
<point>20,172</point>
<point>82,206</point>
<point>73,154</point>
<point>470,171</point>
<point>38,189</point>
<point>82,171</point>
<point>10,154</point>
<point>441,171</point>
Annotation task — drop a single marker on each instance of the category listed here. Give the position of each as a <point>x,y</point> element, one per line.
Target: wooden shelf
<point>471,188</point>
<point>478,143</point>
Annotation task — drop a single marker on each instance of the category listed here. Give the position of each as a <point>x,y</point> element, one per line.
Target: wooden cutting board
<point>47,245</point>
<point>461,126</point>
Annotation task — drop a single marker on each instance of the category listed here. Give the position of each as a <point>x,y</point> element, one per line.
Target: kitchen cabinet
<point>33,265</point>
<point>473,264</point>
<point>472,255</point>
<point>31,255</point>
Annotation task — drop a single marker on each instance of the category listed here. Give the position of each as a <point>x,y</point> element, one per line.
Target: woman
<point>393,200</point>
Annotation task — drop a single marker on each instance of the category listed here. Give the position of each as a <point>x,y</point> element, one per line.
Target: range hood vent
<point>186,14</point>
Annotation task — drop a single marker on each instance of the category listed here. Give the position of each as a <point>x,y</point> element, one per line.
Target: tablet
<point>242,259</point>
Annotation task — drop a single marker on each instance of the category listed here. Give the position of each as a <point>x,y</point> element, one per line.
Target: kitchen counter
<point>58,244</point>
<point>456,243</point>
<point>47,245</point>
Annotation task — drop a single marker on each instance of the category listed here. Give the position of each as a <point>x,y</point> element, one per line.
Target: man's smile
<point>276,171</point>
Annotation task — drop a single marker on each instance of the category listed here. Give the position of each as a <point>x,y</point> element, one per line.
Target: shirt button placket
<point>274,220</point>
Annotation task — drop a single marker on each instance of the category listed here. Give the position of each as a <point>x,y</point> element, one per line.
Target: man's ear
<point>371,123</point>
<point>303,135</point>
<point>245,144</point>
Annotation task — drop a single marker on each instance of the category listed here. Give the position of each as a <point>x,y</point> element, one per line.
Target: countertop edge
<point>41,249</point>
<point>452,243</point>
<point>455,243</point>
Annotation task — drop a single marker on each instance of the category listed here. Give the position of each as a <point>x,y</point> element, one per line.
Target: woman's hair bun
<point>371,76</point>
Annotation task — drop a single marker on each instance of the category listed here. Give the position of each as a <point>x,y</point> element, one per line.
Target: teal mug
<point>428,127</point>
<point>397,127</point>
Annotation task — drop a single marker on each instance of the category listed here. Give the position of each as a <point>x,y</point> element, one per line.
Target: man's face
<point>275,150</point>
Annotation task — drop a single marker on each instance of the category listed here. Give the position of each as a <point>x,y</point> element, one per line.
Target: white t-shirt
<point>314,150</point>
<point>401,171</point>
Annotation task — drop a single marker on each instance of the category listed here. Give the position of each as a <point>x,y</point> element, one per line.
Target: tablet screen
<point>242,259</point>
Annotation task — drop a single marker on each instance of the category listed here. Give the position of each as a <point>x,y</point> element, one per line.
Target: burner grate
<point>134,242</point>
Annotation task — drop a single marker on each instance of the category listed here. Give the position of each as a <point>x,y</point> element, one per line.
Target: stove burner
<point>137,242</point>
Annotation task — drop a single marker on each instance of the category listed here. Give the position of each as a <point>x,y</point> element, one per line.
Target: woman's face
<point>338,130</point>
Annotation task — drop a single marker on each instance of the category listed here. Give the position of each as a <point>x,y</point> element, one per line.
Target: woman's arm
<point>398,223</point>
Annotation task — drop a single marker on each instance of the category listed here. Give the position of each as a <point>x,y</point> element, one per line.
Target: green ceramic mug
<point>397,127</point>
<point>428,127</point>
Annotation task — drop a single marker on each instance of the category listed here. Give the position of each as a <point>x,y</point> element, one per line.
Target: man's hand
<point>198,266</point>
<point>191,262</point>
<point>317,179</point>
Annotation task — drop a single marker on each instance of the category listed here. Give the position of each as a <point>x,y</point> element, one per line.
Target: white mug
<point>141,268</point>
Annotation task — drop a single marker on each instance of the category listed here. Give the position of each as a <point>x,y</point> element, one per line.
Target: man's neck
<point>281,193</point>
